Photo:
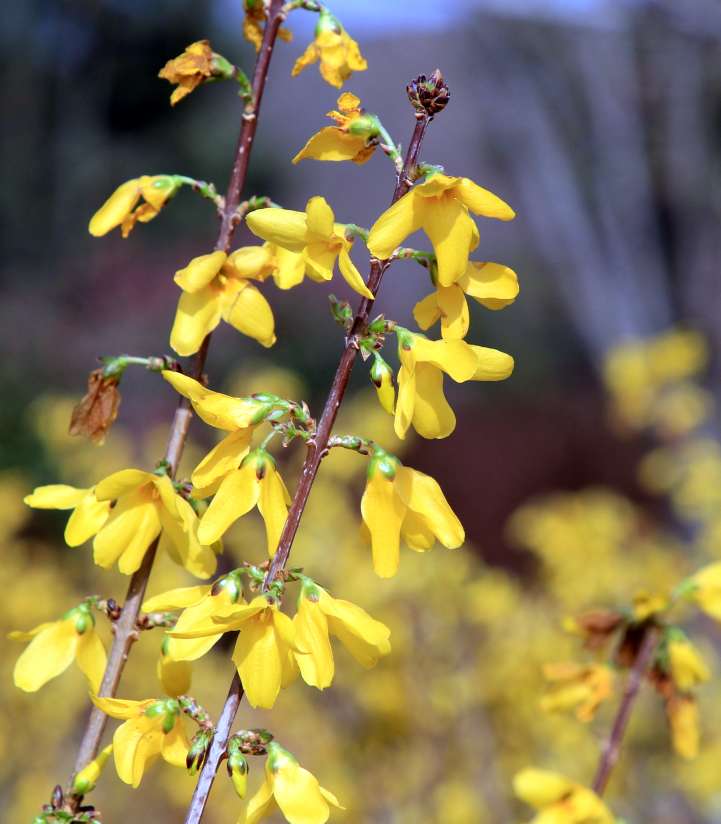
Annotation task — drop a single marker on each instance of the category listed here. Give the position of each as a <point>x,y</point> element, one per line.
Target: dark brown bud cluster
<point>429,95</point>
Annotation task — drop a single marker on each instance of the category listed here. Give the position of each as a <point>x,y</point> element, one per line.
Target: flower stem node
<point>428,95</point>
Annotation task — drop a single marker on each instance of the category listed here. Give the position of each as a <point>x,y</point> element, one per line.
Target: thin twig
<point>317,450</point>
<point>125,628</point>
<point>612,748</point>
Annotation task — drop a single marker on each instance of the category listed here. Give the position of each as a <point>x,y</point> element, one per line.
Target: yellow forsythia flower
<point>439,206</point>
<point>257,482</point>
<point>88,514</point>
<point>314,233</point>
<point>214,291</point>
<point>152,727</point>
<point>688,669</point>
<point>491,284</point>
<point>254,22</point>
<point>351,139</point>
<point>55,645</point>
<point>147,506</point>
<point>320,615</point>
<point>401,502</point>
<point>683,719</point>
<point>119,209</point>
<point>578,687</point>
<point>200,605</point>
<point>707,589</point>
<point>262,652</point>
<point>87,778</point>
<point>291,788</point>
<point>421,401</point>
<point>559,800</point>
<point>337,51</point>
<point>174,676</point>
<point>193,67</point>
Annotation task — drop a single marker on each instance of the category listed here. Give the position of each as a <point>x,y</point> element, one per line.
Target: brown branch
<point>125,628</point>
<point>612,748</point>
<point>316,452</point>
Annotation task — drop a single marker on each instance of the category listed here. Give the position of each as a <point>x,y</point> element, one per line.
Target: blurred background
<point>600,123</point>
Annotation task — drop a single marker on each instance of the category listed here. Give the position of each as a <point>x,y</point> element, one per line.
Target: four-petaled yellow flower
<point>256,16</point>
<point>193,67</point>
<point>262,653</point>
<point>88,514</point>
<point>578,687</point>
<point>421,402</point>
<point>400,502</point>
<point>559,800</point>
<point>55,645</point>
<point>120,208</point>
<point>292,789</point>
<point>338,52</point>
<point>687,667</point>
<point>214,290</point>
<point>491,284</point>
<point>439,206</point>
<point>315,233</point>
<point>147,506</point>
<point>353,138</point>
<point>320,615</point>
<point>152,727</point>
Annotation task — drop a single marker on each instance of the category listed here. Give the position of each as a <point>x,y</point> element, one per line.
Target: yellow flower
<point>382,377</point>
<point>687,667</point>
<point>353,138</point>
<point>559,800</point>
<point>213,290</point>
<point>707,589</point>
<point>119,209</point>
<point>147,506</point>
<point>200,605</point>
<point>287,268</point>
<point>193,67</point>
<point>320,615</point>
<point>87,778</point>
<point>174,676</point>
<point>491,284</point>
<point>337,51</point>
<point>573,686</point>
<point>682,714</point>
<point>238,416</point>
<point>647,604</point>
<point>254,22</point>
<point>315,233</point>
<point>421,401</point>
<point>262,652</point>
<point>400,502</point>
<point>88,514</point>
<point>152,728</point>
<point>256,483</point>
<point>440,207</point>
<point>291,788</point>
<point>55,645</point>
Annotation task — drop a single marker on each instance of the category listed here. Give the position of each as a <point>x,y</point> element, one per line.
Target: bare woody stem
<point>125,629</point>
<point>318,449</point>
<point>612,747</point>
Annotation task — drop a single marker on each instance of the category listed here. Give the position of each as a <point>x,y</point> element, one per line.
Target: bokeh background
<point>600,122</point>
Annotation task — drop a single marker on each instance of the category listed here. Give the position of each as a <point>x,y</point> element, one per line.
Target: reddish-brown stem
<point>612,747</point>
<point>310,468</point>
<point>125,628</point>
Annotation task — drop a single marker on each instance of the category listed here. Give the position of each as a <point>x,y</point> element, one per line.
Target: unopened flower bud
<point>87,778</point>
<point>238,772</point>
<point>428,95</point>
<point>382,377</point>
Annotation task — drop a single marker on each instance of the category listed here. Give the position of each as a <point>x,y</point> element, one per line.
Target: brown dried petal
<point>94,415</point>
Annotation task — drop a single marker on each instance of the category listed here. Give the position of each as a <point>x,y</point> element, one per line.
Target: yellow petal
<point>216,409</point>
<point>252,261</point>
<point>261,804</point>
<point>121,483</point>
<point>115,209</point>
<point>282,226</point>
<point>416,534</point>
<point>491,284</point>
<point>351,275</point>
<point>272,506</point>
<point>132,526</point>
<point>237,495</point>
<point>87,519</point>
<point>356,621</point>
<point>383,512</point>
<point>319,260</point>
<point>55,496</point>
<point>200,271</point>
<point>48,655</point>
<point>482,202</point>
<point>136,743</point>
<point>91,658</point>
<point>331,144</point>
<point>423,496</point>
<point>222,459</point>
<point>455,357</point>
<point>433,416</point>
<point>258,659</point>
<point>316,659</point>
<point>178,598</point>
<point>492,365</point>
<point>175,745</point>
<point>539,788</point>
<point>309,56</point>
<point>402,219</point>
<point>120,707</point>
<point>250,313</point>
<point>451,232</point>
<point>297,793</point>
<point>319,218</point>
<point>290,268</point>
<point>197,315</point>
<point>453,307</point>
<point>175,676</point>
<point>406,401</point>
<point>426,311</point>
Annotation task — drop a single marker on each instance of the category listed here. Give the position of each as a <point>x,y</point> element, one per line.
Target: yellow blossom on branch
<point>292,789</point>
<point>196,65</point>
<point>214,290</point>
<point>256,16</point>
<point>439,206</point>
<point>577,687</point>
<point>55,645</point>
<point>314,233</point>
<point>705,589</point>
<point>490,284</point>
<point>687,667</point>
<point>152,728</point>
<point>400,502</point>
<point>338,52</point>
<point>559,800</point>
<point>88,514</point>
<point>120,208</point>
<point>683,719</point>
<point>318,617</point>
<point>352,138</point>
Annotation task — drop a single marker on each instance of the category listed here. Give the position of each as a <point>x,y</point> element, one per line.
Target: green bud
<point>278,757</point>
<point>327,22</point>
<point>383,462</point>
<point>367,125</point>
<point>229,583</point>
<point>238,771</point>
